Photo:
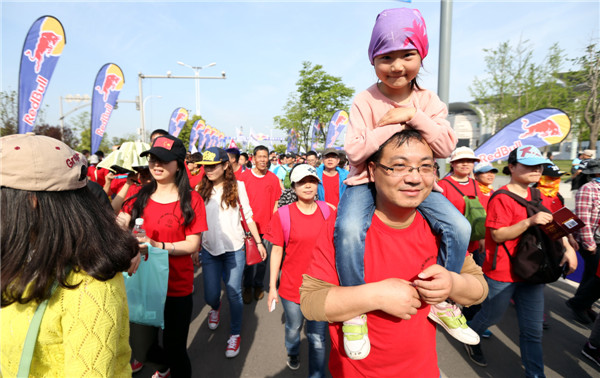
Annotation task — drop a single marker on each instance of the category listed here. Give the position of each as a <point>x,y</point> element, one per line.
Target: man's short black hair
<point>100,154</point>
<point>312,153</point>
<point>159,132</point>
<point>260,148</point>
<point>398,139</point>
<point>195,157</point>
<point>235,152</point>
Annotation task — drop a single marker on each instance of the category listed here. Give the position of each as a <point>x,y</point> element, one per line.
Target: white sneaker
<point>213,319</point>
<point>356,338</point>
<point>449,316</point>
<point>233,346</point>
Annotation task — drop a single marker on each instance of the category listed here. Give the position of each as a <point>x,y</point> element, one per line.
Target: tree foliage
<point>66,134</point>
<point>9,113</point>
<point>318,95</point>
<point>515,85</point>
<point>587,81</point>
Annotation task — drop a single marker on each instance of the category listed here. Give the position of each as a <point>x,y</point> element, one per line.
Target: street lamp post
<point>197,83</point>
<point>143,111</point>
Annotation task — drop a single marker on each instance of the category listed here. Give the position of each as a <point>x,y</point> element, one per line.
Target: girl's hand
<point>135,263</point>
<point>196,259</point>
<point>263,251</point>
<point>434,284</point>
<point>272,297</point>
<point>397,116</point>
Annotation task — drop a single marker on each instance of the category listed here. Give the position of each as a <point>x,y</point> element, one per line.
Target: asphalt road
<point>263,353</point>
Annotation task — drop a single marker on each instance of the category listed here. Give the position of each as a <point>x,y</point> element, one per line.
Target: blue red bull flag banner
<point>337,124</point>
<point>43,45</point>
<point>292,145</point>
<point>196,134</point>
<point>177,121</point>
<point>107,87</point>
<point>316,128</point>
<point>540,128</point>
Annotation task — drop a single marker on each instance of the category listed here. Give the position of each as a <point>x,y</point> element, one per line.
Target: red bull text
<point>35,100</point>
<point>104,119</point>
<point>500,152</point>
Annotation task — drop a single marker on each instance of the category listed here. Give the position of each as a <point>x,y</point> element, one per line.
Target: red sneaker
<point>136,366</point>
<point>233,346</point>
<point>213,319</point>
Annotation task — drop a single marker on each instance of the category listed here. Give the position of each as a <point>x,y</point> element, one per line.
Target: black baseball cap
<point>167,148</point>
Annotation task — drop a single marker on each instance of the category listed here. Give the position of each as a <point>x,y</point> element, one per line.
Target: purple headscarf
<point>398,29</point>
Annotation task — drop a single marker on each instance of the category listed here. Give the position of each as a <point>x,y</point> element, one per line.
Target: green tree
<point>588,86</point>
<point>82,123</point>
<point>186,130</point>
<point>515,85</point>
<point>66,135</point>
<point>9,112</point>
<point>318,95</point>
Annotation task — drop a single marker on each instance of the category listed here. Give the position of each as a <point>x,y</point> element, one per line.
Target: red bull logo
<point>44,47</point>
<point>110,83</point>
<point>543,129</point>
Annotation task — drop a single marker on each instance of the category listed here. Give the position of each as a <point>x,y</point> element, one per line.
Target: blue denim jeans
<point>229,266</point>
<point>254,275</point>
<point>529,302</point>
<point>315,332</point>
<point>354,215</point>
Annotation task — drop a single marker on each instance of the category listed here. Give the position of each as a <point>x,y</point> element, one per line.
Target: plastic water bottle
<point>138,230</point>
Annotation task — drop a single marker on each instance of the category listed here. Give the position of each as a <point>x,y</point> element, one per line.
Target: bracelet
<point>173,250</point>
<point>259,242</point>
<point>163,245</point>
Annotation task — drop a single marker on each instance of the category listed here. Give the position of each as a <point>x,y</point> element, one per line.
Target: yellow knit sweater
<point>84,332</point>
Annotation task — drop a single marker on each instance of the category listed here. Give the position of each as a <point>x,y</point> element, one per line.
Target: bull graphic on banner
<point>178,119</point>
<point>337,124</point>
<point>43,46</point>
<point>539,128</point>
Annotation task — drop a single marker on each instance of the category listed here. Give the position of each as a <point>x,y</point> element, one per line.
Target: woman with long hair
<point>506,221</point>
<point>55,232</point>
<point>223,254</point>
<point>174,217</point>
<point>296,227</point>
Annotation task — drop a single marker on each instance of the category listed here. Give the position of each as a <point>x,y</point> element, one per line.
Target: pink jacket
<point>363,139</point>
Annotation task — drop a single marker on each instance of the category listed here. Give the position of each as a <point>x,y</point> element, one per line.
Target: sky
<point>261,47</point>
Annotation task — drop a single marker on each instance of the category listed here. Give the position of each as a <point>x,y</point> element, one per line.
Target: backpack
<point>284,218</point>
<point>287,183</point>
<point>474,212</point>
<point>537,257</point>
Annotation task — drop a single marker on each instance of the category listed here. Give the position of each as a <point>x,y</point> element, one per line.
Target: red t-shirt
<point>163,223</point>
<point>304,230</point>
<point>263,193</point>
<point>117,183</point>
<point>399,348</point>
<point>97,174</point>
<point>331,187</point>
<point>238,173</point>
<point>458,201</point>
<point>195,179</point>
<point>504,211</point>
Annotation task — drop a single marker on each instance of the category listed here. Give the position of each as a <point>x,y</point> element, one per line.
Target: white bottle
<point>138,230</point>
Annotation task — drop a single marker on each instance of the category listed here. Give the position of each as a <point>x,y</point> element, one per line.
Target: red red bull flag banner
<point>196,133</point>
<point>108,85</point>
<point>337,124</point>
<point>204,136</point>
<point>177,121</point>
<point>540,128</point>
<point>43,45</point>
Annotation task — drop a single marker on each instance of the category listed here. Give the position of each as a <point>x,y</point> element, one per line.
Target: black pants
<point>144,339</point>
<point>588,291</point>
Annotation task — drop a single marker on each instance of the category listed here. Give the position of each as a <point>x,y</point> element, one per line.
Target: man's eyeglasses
<point>401,170</point>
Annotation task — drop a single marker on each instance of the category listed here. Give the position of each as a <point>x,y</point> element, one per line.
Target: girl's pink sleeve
<point>362,138</point>
<point>430,120</point>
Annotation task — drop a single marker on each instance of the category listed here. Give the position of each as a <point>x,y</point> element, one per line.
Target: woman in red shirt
<point>297,230</point>
<point>174,217</point>
<point>506,221</point>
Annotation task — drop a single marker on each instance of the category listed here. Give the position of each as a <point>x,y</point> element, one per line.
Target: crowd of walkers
<point>367,245</point>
